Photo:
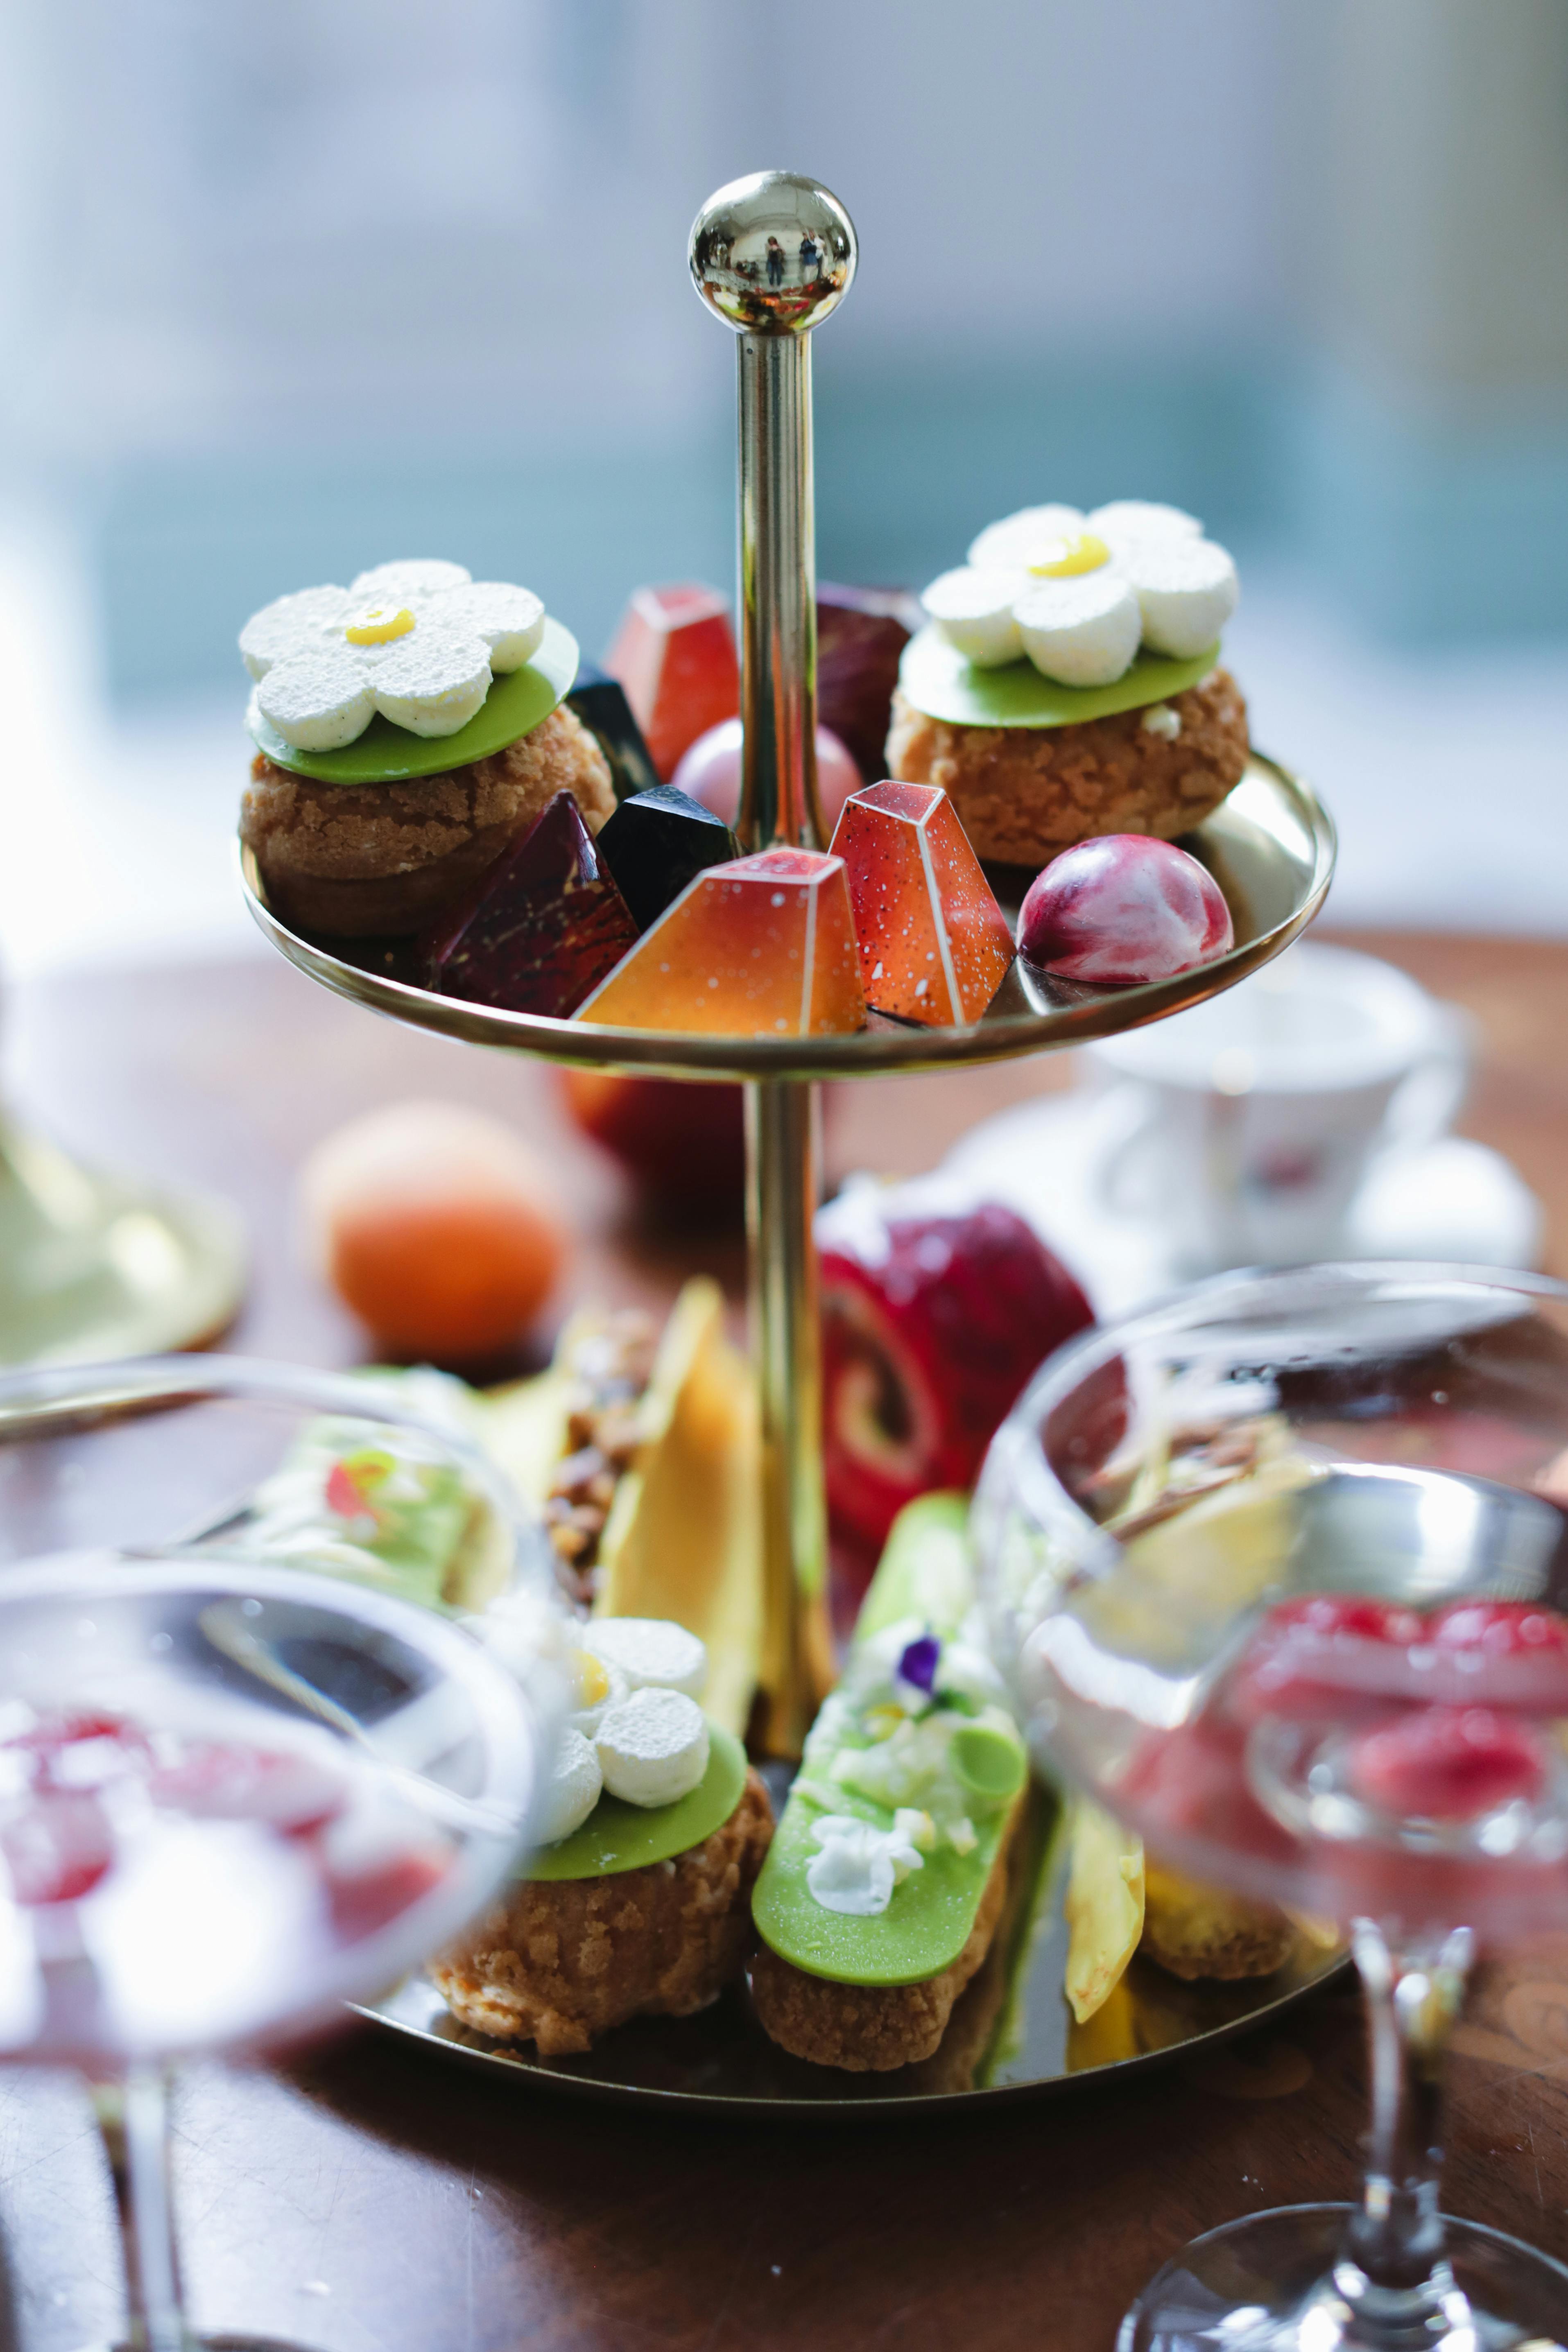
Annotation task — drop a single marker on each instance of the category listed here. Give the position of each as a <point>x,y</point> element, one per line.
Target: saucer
<point>1453,1200</point>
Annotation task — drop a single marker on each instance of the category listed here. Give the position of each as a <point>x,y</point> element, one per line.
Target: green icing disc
<point>386,754</point>
<point>943,683</point>
<point>618,1836</point>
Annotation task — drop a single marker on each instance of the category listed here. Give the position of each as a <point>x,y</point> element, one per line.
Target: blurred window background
<point>288,286</point>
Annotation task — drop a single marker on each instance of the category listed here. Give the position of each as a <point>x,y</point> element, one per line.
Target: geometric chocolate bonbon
<point>674,654</point>
<point>934,945</point>
<point>539,930</point>
<point>600,701</point>
<point>656,842</point>
<point>761,948</point>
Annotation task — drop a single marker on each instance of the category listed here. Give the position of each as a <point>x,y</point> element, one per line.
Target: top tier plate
<point>1270,848</point>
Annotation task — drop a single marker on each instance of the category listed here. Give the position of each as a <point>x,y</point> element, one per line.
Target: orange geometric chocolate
<point>764,947</point>
<point>934,945</point>
<point>675,656</point>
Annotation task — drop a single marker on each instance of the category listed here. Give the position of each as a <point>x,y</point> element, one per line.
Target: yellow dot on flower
<point>1071,556</point>
<point>379,624</point>
<point>593,1682</point>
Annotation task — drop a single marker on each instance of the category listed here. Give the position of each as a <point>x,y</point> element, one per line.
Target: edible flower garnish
<point>860,1864</point>
<point>918,1663</point>
<point>1079,594</point>
<point>418,642</point>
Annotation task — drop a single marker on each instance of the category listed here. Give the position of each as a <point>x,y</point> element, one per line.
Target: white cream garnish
<point>509,620</point>
<point>596,1689</point>
<point>918,1827</point>
<point>860,1866</point>
<point>1021,538</point>
<point>651,1653</point>
<point>973,609</point>
<point>1186,591</point>
<point>572,1790</point>
<point>1161,720</point>
<point>1081,631</point>
<point>653,1747</point>
<point>306,622</point>
<point>432,680</point>
<point>318,700</point>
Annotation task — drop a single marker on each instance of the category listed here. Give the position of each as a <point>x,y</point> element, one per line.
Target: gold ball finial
<point>773,253</point>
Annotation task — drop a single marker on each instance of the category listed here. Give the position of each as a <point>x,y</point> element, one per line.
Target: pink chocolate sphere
<point>710,772</point>
<point>1122,910</point>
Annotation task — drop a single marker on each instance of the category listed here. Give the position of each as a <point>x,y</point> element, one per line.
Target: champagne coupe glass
<point>245,1777</point>
<point>1278,1570</point>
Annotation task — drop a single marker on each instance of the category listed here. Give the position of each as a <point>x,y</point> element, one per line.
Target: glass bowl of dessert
<point>1279,1570</point>
<point>252,1764</point>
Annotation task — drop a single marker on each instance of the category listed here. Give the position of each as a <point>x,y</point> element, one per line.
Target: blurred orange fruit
<point>436,1226</point>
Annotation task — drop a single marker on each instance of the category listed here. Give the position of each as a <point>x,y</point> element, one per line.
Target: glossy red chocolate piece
<point>934,945</point>
<point>674,654</point>
<point>931,1323</point>
<point>540,931</point>
<point>862,634</point>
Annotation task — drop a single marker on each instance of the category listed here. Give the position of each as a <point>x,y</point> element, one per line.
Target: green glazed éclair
<point>376,1503</point>
<point>908,1780</point>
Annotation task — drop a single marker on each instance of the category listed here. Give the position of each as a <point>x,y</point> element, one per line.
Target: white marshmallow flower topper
<point>418,641</point>
<point>1081,593</point>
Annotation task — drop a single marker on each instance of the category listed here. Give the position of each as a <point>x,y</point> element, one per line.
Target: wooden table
<point>377,2198</point>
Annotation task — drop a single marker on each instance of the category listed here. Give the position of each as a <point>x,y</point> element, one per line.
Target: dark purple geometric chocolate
<point>600,701</point>
<point>540,931</point>
<point>860,634</point>
<point>657,842</point>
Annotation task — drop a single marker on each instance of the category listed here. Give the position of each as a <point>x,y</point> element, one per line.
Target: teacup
<point>1266,1108</point>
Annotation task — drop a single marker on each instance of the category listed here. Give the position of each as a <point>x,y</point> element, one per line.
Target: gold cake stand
<point>1270,846</point>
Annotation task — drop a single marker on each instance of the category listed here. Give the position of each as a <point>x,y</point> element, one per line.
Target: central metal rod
<point>778,571</point>
<point>783,1179</point>
<point>773,255</point>
<point>779,805</point>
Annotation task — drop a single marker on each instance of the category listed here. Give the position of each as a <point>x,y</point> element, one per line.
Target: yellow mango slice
<point>1104,1907</point>
<point>684,1534</point>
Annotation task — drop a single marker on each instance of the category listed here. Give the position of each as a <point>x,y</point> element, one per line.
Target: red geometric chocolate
<point>675,655</point>
<point>539,930</point>
<point>934,945</point>
<point>760,947</point>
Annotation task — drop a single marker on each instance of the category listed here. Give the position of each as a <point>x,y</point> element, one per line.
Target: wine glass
<point>1279,1570</point>
<point>246,1778</point>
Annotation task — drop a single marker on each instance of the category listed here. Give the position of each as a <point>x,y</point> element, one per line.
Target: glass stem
<point>1414,1997</point>
<point>132,2111</point>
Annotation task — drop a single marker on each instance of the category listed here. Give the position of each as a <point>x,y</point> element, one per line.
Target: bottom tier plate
<point>1011,2035</point>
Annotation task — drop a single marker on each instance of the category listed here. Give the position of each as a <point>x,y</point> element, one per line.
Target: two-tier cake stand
<point>1270,846</point>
